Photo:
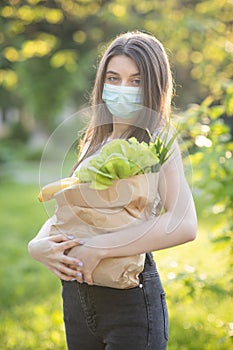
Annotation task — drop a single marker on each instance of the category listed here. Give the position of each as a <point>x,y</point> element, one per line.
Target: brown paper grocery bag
<point>84,212</point>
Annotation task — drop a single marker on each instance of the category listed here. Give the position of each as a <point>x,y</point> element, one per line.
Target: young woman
<point>133,72</point>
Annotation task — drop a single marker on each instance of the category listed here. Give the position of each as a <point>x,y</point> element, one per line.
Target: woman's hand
<point>90,257</point>
<point>51,252</point>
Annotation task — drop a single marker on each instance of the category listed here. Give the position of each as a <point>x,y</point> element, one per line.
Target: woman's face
<point>123,71</point>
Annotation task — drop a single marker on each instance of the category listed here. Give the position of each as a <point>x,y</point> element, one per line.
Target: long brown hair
<point>156,84</point>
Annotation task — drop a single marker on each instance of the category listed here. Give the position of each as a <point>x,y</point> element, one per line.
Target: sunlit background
<point>49,53</point>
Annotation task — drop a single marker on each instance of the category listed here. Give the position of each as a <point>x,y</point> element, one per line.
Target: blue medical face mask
<point>122,101</point>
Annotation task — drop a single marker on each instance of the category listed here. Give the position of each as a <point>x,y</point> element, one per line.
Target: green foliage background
<point>48,55</point>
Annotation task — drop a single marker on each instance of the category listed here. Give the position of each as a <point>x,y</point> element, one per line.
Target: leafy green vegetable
<point>161,146</point>
<point>121,159</point>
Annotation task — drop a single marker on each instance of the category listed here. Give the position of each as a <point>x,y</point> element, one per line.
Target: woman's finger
<point>66,270</point>
<point>69,273</point>
<point>60,238</point>
<point>68,244</point>
<point>79,276</point>
<point>74,262</point>
<point>63,276</point>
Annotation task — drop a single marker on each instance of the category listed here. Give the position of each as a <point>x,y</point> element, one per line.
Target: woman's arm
<point>176,226</point>
<point>50,251</point>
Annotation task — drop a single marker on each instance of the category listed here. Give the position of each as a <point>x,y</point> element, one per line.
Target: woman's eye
<point>137,82</point>
<point>112,79</point>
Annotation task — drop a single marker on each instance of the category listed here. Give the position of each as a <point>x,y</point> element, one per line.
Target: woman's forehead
<point>122,64</point>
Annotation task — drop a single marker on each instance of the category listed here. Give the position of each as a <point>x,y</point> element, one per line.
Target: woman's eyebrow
<point>135,74</point>
<point>112,72</point>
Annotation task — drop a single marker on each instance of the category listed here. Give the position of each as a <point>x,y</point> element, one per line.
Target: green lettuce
<point>121,159</point>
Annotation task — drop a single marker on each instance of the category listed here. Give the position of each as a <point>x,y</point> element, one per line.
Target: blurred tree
<point>199,35</point>
<point>211,150</point>
<point>46,57</point>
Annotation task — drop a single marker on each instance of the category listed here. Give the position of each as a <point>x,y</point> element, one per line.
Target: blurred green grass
<point>194,277</point>
<point>30,295</point>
